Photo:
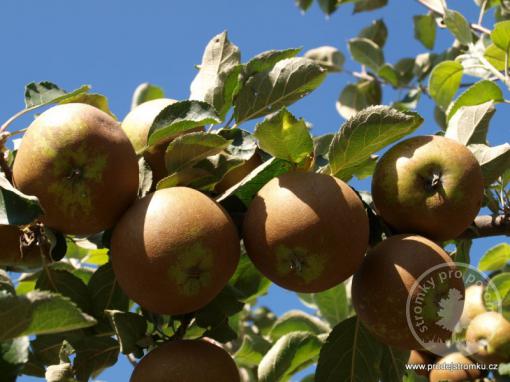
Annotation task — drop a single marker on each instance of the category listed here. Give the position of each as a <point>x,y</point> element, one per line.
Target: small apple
<point>429,185</point>
<point>137,124</point>
<point>420,358</point>
<point>488,338</point>
<point>473,304</point>
<point>462,369</point>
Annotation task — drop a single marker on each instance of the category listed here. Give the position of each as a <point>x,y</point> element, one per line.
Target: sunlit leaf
<point>287,82</point>
<point>425,30</point>
<point>445,81</point>
<point>366,133</point>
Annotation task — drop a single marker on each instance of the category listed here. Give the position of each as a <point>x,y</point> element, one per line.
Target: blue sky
<point>114,45</point>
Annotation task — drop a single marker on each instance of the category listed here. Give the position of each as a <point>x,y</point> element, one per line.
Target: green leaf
<point>202,175</point>
<point>366,133</point>
<point>242,143</point>
<point>329,57</point>
<point>50,348</point>
<point>500,35</point>
<point>366,52</point>
<point>248,187</point>
<point>97,257</point>
<point>366,168</point>
<point>129,328</point>
<point>13,356</point>
<point>304,4</point>
<point>332,304</point>
<point>389,74</point>
<point>405,70</point>
<point>265,61</point>
<point>263,320</point>
<point>328,6</point>
<point>99,101</point>
<point>24,287</point>
<point>470,124</point>
<point>93,355</point>
<point>462,252</point>
<point>393,364</point>
<point>479,93</point>
<point>350,353</point>
<point>146,92</point>
<point>39,313</point>
<point>356,97</point>
<point>248,282</point>
<point>458,26</point>
<point>501,13</point>
<point>284,136</point>
<point>287,82</point>
<point>503,369</point>
<point>222,333</point>
<point>493,160</point>
<point>17,208</point>
<point>495,258</point>
<point>297,321</point>
<point>191,148</point>
<point>411,376</point>
<point>497,295</point>
<point>15,316</point>
<point>496,56</point>
<point>215,313</point>
<point>425,30</point>
<point>321,145</point>
<point>105,291</point>
<point>53,313</point>
<point>68,285</point>
<point>368,5</point>
<point>445,81</point>
<point>376,32</point>
<point>45,93</point>
<point>409,101</point>
<point>180,117</point>
<point>217,79</point>
<point>252,350</point>
<point>289,354</point>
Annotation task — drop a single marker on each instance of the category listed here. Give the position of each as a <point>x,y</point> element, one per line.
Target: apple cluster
<point>174,249</point>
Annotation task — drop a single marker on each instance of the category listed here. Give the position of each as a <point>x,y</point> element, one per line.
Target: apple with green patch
<point>306,232</point>
<point>77,160</point>
<point>428,185</point>
<point>174,250</point>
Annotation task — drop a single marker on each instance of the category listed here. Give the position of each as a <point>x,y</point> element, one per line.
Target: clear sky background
<point>114,45</point>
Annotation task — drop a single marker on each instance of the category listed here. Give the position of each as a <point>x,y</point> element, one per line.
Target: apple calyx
<point>434,182</point>
<point>76,173</point>
<point>296,264</point>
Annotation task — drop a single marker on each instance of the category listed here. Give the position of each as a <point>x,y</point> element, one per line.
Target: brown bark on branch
<point>486,226</point>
